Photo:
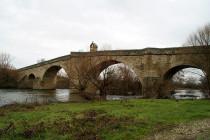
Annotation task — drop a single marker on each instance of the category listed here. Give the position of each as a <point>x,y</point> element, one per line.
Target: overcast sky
<point>34,29</point>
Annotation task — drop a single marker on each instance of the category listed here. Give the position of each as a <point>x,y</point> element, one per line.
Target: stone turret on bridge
<point>93,47</point>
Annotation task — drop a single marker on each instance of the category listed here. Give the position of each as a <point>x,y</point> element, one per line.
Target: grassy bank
<point>133,119</point>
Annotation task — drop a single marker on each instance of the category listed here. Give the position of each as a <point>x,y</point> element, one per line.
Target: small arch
<point>31,76</point>
<point>51,72</point>
<point>49,78</point>
<point>23,82</point>
<point>23,78</point>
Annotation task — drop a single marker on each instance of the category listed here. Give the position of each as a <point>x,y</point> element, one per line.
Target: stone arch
<point>167,83</point>
<point>49,77</point>
<point>102,65</point>
<point>31,76</point>
<point>31,79</point>
<point>105,64</point>
<point>173,70</point>
<point>22,83</point>
<point>23,78</point>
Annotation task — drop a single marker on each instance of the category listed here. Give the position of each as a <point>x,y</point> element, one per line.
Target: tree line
<point>8,73</point>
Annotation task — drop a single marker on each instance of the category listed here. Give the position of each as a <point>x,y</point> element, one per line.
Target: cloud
<point>34,29</point>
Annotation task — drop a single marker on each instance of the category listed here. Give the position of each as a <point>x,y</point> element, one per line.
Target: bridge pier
<point>151,86</point>
<point>26,84</point>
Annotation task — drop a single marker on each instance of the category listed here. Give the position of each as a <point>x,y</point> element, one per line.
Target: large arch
<point>173,70</point>
<point>49,77</point>
<point>98,68</point>
<point>101,66</point>
<point>169,85</point>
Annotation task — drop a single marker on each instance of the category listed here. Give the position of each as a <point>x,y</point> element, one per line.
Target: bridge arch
<point>49,78</point>
<point>30,82</point>
<point>22,83</point>
<point>31,76</point>
<point>23,78</point>
<point>173,70</point>
<point>169,84</point>
<point>101,66</point>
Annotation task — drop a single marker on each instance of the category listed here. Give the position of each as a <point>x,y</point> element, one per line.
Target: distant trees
<point>201,39</point>
<point>125,81</point>
<point>8,74</point>
<point>62,80</point>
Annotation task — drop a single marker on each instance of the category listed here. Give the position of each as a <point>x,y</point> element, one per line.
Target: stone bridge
<point>151,65</point>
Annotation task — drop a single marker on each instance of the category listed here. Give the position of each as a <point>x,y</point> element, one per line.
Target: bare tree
<point>8,74</point>
<point>78,75</point>
<point>101,83</point>
<point>85,73</point>
<point>5,61</point>
<point>129,81</point>
<point>201,39</point>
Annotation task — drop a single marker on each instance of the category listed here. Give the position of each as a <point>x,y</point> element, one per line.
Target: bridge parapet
<point>146,51</point>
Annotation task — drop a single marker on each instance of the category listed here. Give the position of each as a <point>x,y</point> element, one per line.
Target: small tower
<point>93,47</point>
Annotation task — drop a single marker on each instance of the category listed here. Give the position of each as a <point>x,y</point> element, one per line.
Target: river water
<point>8,96</point>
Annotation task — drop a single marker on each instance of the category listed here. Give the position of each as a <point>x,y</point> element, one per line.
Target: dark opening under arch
<point>31,76</point>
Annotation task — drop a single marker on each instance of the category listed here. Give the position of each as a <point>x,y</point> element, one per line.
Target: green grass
<point>111,120</point>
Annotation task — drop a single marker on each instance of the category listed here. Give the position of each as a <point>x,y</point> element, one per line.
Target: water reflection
<point>189,94</point>
<point>33,96</point>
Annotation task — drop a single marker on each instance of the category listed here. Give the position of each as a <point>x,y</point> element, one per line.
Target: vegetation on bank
<point>8,74</point>
<point>109,120</point>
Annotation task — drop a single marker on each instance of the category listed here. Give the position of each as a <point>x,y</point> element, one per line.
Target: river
<point>10,96</point>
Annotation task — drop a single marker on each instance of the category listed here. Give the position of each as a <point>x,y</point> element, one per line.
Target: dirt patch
<point>195,130</point>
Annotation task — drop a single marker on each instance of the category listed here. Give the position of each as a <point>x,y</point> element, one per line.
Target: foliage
<point>201,40</point>
<point>8,74</point>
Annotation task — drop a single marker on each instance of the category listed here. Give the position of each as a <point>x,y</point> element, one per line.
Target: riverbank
<point>110,120</point>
